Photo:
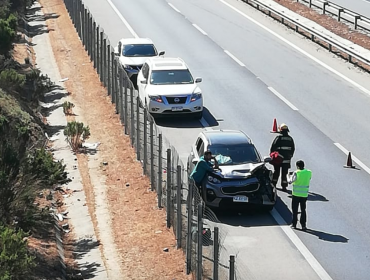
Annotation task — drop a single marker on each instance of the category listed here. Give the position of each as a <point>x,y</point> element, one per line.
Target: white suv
<point>166,86</point>
<point>132,53</point>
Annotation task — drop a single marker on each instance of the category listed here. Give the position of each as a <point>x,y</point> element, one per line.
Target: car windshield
<point>235,154</point>
<point>170,77</point>
<point>139,50</point>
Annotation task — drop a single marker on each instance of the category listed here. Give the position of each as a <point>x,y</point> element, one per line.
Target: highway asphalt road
<point>253,71</point>
<point>361,7</point>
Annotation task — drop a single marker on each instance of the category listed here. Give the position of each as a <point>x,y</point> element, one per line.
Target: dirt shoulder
<point>138,226</point>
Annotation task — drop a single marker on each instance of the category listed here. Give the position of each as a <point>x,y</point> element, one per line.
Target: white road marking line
<point>316,266</point>
<point>233,57</point>
<point>355,159</point>
<point>125,22</point>
<point>299,49</point>
<point>199,29</point>
<point>286,101</point>
<point>173,7</point>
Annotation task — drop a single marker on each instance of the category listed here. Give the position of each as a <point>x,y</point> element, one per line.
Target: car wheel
<point>198,115</point>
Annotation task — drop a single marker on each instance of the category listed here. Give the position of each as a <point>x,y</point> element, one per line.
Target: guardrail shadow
<point>186,121</point>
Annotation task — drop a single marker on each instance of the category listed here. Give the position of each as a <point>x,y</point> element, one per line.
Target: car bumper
<point>171,109</point>
<point>219,200</point>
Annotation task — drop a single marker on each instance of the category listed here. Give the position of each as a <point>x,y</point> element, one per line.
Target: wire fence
<point>194,225</point>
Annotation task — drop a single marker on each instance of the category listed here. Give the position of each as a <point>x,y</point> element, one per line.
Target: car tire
<point>198,115</point>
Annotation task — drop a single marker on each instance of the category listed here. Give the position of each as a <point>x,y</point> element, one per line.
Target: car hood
<point>134,60</point>
<point>172,89</point>
<point>241,171</point>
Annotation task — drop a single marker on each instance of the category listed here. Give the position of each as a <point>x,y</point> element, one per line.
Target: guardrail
<point>346,52</point>
<point>340,12</point>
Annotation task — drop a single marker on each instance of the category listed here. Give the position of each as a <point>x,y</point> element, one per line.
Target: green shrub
<point>7,33</point>
<point>11,80</point>
<point>15,260</point>
<point>76,134</point>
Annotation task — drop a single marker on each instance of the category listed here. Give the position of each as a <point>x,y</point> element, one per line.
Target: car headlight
<point>156,98</point>
<point>195,96</point>
<point>213,180</point>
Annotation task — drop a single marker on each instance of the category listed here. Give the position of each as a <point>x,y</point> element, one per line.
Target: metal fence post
<point>232,268</point>
<point>132,133</point>
<point>97,64</point>
<point>121,85</point>
<point>151,132</point>
<point>93,43</point>
<point>178,206</point>
<point>85,29</point>
<point>145,159</point>
<point>90,36</point>
<point>109,69</point>
<point>200,242</point>
<point>82,23</point>
<point>114,81</point>
<point>215,252</point>
<point>138,128</point>
<point>357,17</point>
<point>159,190</point>
<point>168,189</point>
<point>104,57</point>
<point>188,236</point>
<point>125,112</point>
<point>340,12</point>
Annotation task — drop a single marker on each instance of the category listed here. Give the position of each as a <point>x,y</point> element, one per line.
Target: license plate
<point>240,198</point>
<point>177,108</point>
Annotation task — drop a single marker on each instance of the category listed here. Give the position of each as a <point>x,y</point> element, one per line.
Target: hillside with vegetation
<point>27,167</point>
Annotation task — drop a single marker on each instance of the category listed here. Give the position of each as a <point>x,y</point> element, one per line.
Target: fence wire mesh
<point>195,226</point>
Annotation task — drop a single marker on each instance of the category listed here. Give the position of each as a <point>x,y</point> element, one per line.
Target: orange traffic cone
<point>274,127</point>
<point>349,162</point>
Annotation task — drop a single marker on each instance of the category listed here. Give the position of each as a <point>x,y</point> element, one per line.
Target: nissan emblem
<point>177,100</point>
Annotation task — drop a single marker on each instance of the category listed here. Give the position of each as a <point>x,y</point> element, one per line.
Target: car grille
<point>180,100</point>
<point>232,190</point>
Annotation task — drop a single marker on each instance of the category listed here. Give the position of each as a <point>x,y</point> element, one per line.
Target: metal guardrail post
<point>121,85</point>
<point>151,132</point>
<point>132,132</point>
<point>138,148</point>
<point>125,111</point>
<point>104,72</point>
<point>232,268</point>
<point>216,248</point>
<point>200,242</point>
<point>90,36</point>
<point>109,62</point>
<point>145,159</point>
<point>340,11</point>
<point>324,7</point>
<point>86,31</point>
<point>357,17</point>
<point>168,188</point>
<point>310,3</point>
<point>159,190</point>
<point>178,207</point>
<point>113,77</point>
<point>189,228</point>
<point>94,48</point>
<point>98,70</point>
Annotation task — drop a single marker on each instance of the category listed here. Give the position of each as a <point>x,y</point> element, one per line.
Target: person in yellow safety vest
<point>301,180</point>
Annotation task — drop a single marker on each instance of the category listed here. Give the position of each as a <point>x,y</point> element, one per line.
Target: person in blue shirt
<point>203,166</point>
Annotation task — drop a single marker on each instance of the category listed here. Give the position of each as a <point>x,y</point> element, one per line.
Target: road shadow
<point>252,217</point>
<point>185,121</point>
<point>51,130</point>
<point>327,236</point>
<point>311,195</point>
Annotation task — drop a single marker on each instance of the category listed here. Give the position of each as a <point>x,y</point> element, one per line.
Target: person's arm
<point>293,146</point>
<point>274,144</point>
<point>292,178</point>
<point>216,166</point>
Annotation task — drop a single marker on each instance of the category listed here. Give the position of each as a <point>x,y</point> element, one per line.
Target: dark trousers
<point>284,172</point>
<point>299,202</point>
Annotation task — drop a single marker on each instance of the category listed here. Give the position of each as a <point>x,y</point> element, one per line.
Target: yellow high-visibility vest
<point>301,184</point>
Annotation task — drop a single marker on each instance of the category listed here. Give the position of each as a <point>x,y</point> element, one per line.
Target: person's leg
<point>275,176</point>
<point>295,203</point>
<point>284,175</point>
<point>303,219</point>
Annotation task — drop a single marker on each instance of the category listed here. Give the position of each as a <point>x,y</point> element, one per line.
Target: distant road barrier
<point>340,12</point>
<point>346,52</point>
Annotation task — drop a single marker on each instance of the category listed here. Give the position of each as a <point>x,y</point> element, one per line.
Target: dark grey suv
<point>243,178</point>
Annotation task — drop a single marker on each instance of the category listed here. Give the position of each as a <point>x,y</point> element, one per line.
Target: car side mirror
<point>198,80</point>
<point>194,161</point>
<point>267,159</point>
<point>161,53</point>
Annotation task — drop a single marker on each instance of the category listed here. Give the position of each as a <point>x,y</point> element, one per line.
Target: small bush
<point>67,107</point>
<point>10,79</point>
<point>15,260</point>
<point>7,33</point>
<point>76,134</point>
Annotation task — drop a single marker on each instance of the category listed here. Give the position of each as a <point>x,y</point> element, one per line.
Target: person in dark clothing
<point>284,145</point>
<point>203,166</point>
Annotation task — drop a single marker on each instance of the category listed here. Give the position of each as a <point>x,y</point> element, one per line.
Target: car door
<point>143,76</point>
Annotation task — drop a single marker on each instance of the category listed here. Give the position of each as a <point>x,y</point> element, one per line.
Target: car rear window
<point>170,77</point>
<point>139,50</point>
<point>235,154</point>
